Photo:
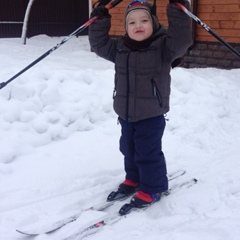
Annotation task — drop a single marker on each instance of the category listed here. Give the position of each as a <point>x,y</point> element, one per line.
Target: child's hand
<point>100,11</point>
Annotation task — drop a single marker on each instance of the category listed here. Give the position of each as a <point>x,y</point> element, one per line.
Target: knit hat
<point>144,5</point>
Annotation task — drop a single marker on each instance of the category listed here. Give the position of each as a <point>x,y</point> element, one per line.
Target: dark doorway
<point>50,17</point>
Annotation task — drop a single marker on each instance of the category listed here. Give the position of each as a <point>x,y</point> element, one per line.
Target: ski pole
<point>208,29</point>
<point>80,29</point>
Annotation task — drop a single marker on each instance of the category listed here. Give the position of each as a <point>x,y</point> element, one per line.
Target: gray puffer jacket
<point>142,78</point>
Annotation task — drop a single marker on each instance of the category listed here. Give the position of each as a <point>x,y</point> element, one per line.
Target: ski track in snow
<point>59,146</point>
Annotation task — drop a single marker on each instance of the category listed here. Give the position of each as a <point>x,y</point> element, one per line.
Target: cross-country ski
<point>55,222</point>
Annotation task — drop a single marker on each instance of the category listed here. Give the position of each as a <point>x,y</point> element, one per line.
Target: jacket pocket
<point>156,92</point>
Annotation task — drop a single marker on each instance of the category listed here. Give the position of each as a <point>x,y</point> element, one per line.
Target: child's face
<point>139,25</point>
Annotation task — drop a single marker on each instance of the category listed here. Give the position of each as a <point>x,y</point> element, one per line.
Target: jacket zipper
<point>128,86</point>
<point>156,92</point>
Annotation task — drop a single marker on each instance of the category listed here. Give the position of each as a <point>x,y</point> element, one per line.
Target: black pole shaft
<point>80,29</point>
<point>3,84</point>
<point>208,29</point>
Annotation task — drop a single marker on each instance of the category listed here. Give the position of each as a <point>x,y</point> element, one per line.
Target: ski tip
<point>26,233</point>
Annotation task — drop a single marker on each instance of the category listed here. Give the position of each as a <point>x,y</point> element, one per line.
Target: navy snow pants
<point>141,146</point>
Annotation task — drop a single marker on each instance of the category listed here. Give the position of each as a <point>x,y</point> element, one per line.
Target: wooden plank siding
<point>222,16</point>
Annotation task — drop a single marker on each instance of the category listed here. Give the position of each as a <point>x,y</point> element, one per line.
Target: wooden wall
<point>222,16</point>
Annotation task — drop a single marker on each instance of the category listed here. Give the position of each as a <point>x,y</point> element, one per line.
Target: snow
<point>59,146</point>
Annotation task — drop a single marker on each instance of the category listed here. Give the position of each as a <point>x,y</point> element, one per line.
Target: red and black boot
<point>140,200</point>
<point>125,189</point>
